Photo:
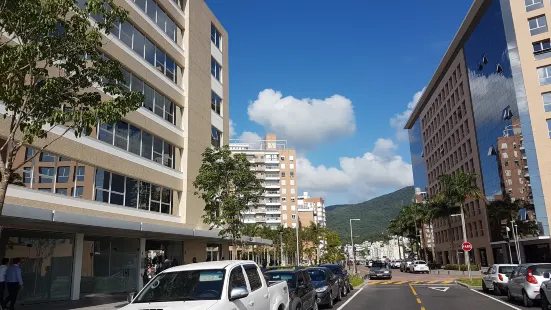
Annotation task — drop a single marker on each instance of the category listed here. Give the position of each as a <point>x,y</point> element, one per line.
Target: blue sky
<point>375,60</point>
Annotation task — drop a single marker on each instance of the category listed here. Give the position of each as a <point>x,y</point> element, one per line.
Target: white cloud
<point>399,120</point>
<point>249,137</point>
<point>359,178</point>
<point>304,122</point>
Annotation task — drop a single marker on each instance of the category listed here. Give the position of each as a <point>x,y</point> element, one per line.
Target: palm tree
<point>457,188</point>
<point>441,207</point>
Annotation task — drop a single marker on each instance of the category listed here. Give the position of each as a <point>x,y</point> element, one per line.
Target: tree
<point>52,74</point>
<point>457,188</point>
<point>333,246</point>
<point>228,187</point>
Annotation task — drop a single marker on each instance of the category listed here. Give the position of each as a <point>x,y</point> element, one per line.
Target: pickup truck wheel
<point>295,304</point>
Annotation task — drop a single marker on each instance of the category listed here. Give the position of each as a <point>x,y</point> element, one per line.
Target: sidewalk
<point>97,302</point>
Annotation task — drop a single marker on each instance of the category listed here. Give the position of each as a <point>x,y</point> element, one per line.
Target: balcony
<point>273,220</point>
<point>271,185</point>
<point>260,219</point>
<point>272,167</point>
<point>273,202</point>
<point>272,161</point>
<point>273,211</point>
<point>271,193</point>
<point>271,176</point>
<point>260,210</point>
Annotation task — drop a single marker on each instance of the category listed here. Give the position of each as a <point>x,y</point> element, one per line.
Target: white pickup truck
<point>221,285</point>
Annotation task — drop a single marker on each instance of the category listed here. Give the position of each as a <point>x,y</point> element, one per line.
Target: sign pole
<point>467,246</point>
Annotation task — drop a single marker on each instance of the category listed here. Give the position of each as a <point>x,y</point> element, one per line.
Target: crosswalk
<point>373,282</point>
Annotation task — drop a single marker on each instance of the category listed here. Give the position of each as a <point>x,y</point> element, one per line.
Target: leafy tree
<point>53,73</point>
<point>502,212</point>
<point>228,187</point>
<point>457,188</point>
<point>332,252</point>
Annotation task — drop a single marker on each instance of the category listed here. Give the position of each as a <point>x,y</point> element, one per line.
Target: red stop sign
<point>467,246</point>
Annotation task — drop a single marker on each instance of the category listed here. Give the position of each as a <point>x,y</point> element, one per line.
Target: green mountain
<point>374,215</point>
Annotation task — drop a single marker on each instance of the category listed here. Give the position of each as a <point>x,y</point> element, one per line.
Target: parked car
<point>344,278</point>
<point>496,278</point>
<point>525,282</point>
<point>380,270</point>
<point>369,263</point>
<point>418,266</point>
<point>545,291</point>
<point>302,294</point>
<point>395,264</point>
<point>404,265</point>
<point>326,284</point>
<point>219,285</point>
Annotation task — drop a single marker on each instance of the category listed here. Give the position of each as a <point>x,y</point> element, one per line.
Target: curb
<point>467,286</point>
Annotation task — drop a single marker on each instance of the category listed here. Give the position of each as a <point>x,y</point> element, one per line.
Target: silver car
<point>497,277</point>
<point>525,282</point>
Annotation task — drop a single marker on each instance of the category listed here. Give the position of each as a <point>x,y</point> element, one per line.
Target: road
<point>416,294</point>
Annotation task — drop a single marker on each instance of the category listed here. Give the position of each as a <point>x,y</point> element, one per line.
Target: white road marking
<point>349,299</point>
<point>501,301</point>
<point>440,289</point>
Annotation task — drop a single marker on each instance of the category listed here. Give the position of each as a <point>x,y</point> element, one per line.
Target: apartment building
<point>275,167</point>
<point>487,109</point>
<point>311,210</point>
<point>94,210</point>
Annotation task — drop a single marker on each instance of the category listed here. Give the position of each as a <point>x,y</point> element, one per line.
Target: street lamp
<point>352,241</point>
<point>298,257</point>
<point>281,248</point>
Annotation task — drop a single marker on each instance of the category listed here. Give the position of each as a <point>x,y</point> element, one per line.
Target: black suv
<point>344,278</point>
<point>301,291</point>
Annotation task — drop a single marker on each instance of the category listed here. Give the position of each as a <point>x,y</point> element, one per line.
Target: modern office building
<point>311,210</point>
<point>275,167</point>
<point>95,210</point>
<point>487,109</point>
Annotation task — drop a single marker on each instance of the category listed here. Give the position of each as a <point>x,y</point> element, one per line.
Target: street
<point>424,293</point>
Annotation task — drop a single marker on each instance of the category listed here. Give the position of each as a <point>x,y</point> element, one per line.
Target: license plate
<point>379,275</point>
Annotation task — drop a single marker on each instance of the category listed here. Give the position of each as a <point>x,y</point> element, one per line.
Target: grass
<point>473,282</point>
<point>356,281</point>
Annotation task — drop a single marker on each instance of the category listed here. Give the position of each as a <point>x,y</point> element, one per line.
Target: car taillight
<point>530,278</point>
<point>500,277</point>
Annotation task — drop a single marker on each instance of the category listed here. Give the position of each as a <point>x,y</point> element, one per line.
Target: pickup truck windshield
<point>282,276</point>
<point>183,286</point>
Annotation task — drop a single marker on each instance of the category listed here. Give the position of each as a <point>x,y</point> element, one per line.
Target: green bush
<point>474,282</point>
<point>356,281</point>
<point>462,267</point>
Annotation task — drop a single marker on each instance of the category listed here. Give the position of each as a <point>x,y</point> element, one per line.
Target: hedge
<point>462,267</point>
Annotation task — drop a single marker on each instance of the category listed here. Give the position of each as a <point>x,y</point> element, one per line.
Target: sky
<point>337,80</point>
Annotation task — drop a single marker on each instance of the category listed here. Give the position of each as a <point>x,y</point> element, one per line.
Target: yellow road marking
<point>432,282</point>
<point>418,300</point>
<point>446,282</point>
<point>422,308</point>
<point>401,282</point>
<point>413,290</point>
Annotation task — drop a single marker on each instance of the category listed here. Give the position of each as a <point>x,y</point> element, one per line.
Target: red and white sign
<point>467,246</point>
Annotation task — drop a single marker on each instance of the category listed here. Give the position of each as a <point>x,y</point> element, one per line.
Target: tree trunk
<point>431,229</point>
<point>3,190</point>
<point>424,242</point>
<point>399,249</point>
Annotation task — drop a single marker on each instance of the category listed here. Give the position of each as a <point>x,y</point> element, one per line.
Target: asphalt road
<point>423,297</point>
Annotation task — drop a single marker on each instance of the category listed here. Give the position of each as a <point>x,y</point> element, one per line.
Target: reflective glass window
<point>533,4</point>
<point>537,25</point>
<point>544,74</point>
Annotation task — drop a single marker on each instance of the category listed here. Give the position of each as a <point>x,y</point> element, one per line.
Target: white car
<point>404,265</point>
<point>219,285</point>
<point>525,282</point>
<point>396,264</point>
<point>418,266</point>
<point>496,278</point>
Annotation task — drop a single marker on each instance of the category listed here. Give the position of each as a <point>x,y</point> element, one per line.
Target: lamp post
<point>298,257</point>
<point>352,242</point>
<point>281,247</point>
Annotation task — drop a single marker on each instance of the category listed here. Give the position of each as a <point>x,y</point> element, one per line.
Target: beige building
<point>275,166</point>
<point>96,210</point>
<point>311,210</point>
<point>487,110</point>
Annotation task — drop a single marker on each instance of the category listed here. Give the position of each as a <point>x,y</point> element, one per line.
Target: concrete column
<point>141,264</point>
<point>77,266</point>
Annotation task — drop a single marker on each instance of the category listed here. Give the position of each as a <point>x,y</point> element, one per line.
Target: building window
<point>542,49</point>
<point>215,102</point>
<point>283,182</point>
<point>137,141</point>
<point>61,191</point>
<point>28,152</point>
<point>546,102</point>
<point>27,175</point>
<point>137,41</point>
<point>215,36</point>
<point>544,74</point>
<point>116,189</point>
<point>292,174</point>
<point>160,17</point>
<point>549,127</point>
<point>282,166</point>
<point>537,25</point>
<point>45,175</point>
<point>282,157</point>
<point>291,158</point>
<point>63,174</point>
<point>294,216</point>
<point>215,69</point>
<point>533,4</point>
<point>216,137</point>
<point>77,191</point>
<point>79,174</point>
<point>292,182</point>
<point>49,190</point>
<point>46,157</point>
<point>283,174</point>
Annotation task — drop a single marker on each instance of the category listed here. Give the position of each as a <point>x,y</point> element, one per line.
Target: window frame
<point>216,69</point>
<point>533,6</point>
<point>536,31</point>
<point>216,36</point>
<point>216,103</point>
